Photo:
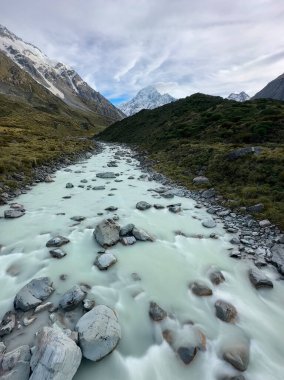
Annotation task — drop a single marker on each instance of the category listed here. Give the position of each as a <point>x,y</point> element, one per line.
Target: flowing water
<point>166,268</point>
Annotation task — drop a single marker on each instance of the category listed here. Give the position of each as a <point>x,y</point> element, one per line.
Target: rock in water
<point>15,365</point>
<point>277,258</point>
<point>217,277</point>
<point>106,175</point>
<point>57,253</point>
<point>11,214</point>
<point>156,312</point>
<point>187,354</point>
<point>225,311</point>
<point>107,233</point>
<point>32,294</point>
<point>200,289</point>
<point>57,241</point>
<point>259,280</point>
<point>143,206</point>
<point>104,261</point>
<point>56,356</point>
<point>141,235</point>
<point>8,323</point>
<point>126,230</point>
<point>69,185</point>
<point>238,356</point>
<point>209,223</point>
<point>72,298</point>
<point>99,332</point>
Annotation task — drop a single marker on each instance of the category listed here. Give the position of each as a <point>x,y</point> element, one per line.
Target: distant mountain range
<point>60,79</point>
<point>147,98</point>
<point>241,97</point>
<point>273,90</point>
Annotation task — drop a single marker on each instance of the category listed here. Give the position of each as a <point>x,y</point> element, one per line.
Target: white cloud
<point>183,46</point>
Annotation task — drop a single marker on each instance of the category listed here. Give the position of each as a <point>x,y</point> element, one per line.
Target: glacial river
<point>166,267</point>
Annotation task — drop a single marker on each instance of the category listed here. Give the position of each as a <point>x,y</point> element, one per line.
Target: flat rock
<point>106,175</point>
<point>200,289</point>
<point>107,233</point>
<point>225,311</point>
<point>255,208</point>
<point>15,365</point>
<point>209,223</point>
<point>111,208</point>
<point>156,313</point>
<point>200,180</point>
<point>33,294</point>
<point>55,356</point>
<point>158,206</point>
<point>57,253</point>
<point>104,261</point>
<point>128,240</point>
<point>143,206</point>
<point>258,279</point>
<point>72,298</point>
<point>13,213</point>
<point>99,188</point>
<point>99,332</point>
<point>78,218</point>
<point>57,241</point>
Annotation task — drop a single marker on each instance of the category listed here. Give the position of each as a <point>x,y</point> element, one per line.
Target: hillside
<point>273,90</point>
<point>35,125</point>
<point>195,135</point>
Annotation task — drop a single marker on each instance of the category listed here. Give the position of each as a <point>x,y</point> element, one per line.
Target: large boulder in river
<point>107,233</point>
<point>33,294</point>
<point>208,223</point>
<point>156,312</point>
<point>238,355</point>
<point>104,261</point>
<point>225,311</point>
<point>258,279</point>
<point>277,258</point>
<point>12,214</point>
<point>57,241</point>
<point>72,298</point>
<point>55,357</point>
<point>15,365</point>
<point>99,332</point>
<point>143,205</point>
<point>141,235</point>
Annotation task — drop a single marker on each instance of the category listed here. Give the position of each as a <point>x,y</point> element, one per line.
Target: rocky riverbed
<point>109,270</point>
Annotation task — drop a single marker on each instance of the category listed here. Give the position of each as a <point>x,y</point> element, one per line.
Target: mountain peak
<point>273,90</point>
<point>147,98</point>
<point>241,97</point>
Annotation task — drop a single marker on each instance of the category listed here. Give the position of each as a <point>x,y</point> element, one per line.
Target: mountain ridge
<point>239,97</point>
<point>273,90</point>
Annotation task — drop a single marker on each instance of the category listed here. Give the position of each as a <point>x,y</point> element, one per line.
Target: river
<point>166,267</point>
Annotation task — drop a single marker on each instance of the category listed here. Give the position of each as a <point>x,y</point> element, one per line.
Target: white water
<point>165,266</point>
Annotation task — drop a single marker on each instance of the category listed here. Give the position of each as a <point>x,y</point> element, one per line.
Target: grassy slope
<point>36,126</point>
<point>195,134</point>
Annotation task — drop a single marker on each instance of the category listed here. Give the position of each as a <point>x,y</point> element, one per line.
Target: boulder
<point>13,213</point>
<point>216,277</point>
<point>72,298</point>
<point>238,356</point>
<point>200,289</point>
<point>255,208</point>
<point>241,152</point>
<point>209,223</point>
<point>200,180</point>
<point>126,230</point>
<point>225,311</point>
<point>141,235</point>
<point>264,223</point>
<point>210,193</point>
<point>57,253</point>
<point>106,175</point>
<point>156,313</point>
<point>258,279</point>
<point>187,354</point>
<point>8,323</point>
<point>277,258</point>
<point>111,208</point>
<point>99,188</point>
<point>57,241</point>
<point>78,218</point>
<point>104,261</point>
<point>69,185</point>
<point>174,208</point>
<point>33,294</point>
<point>15,365</point>
<point>143,206</point>
<point>99,332</point>
<point>158,206</point>
<point>107,233</point>
<point>55,356</point>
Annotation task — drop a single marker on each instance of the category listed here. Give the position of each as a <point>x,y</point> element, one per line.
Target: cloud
<point>182,47</point>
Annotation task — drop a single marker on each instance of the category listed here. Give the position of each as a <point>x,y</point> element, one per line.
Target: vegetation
<point>194,136</point>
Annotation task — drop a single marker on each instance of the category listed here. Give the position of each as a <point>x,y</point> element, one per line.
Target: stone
<point>72,298</point>
<point>157,206</point>
<point>78,218</point>
<point>107,233</point>
<point>225,311</point>
<point>126,230</point>
<point>141,235</point>
<point>237,377</point>
<point>88,304</point>
<point>255,208</point>
<point>241,152</point>
<point>128,240</point>
<point>99,332</point>
<point>208,223</point>
<point>238,356</point>
<point>17,206</point>
<point>216,277</point>
<point>55,356</point>
<point>277,257</point>
<point>156,313</point>
<point>111,208</point>
<point>187,354</point>
<point>264,223</point>
<point>69,185</point>
<point>8,323</point>
<point>99,188</point>
<point>15,365</point>
<point>210,193</point>
<point>235,241</point>
<point>57,241</point>
<point>12,214</point>
<point>106,175</point>
<point>174,209</point>
<point>200,289</point>
<point>143,206</point>
<point>43,307</point>
<point>200,180</point>
<point>28,321</point>
<point>259,280</point>
<point>57,253</point>
<point>104,261</point>
<point>33,294</point>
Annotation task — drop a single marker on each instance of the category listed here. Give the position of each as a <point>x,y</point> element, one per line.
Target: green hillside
<point>195,135</point>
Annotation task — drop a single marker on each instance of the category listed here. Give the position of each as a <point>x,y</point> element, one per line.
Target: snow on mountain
<point>241,97</point>
<point>58,78</point>
<point>147,98</point>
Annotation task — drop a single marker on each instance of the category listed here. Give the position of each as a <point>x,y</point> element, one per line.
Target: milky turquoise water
<point>166,268</point>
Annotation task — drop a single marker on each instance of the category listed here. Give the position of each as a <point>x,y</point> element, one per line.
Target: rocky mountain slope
<point>273,90</point>
<point>147,98</point>
<point>57,77</point>
<point>239,147</point>
<point>241,97</point>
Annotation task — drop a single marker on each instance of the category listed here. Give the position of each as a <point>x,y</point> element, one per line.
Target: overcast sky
<point>181,46</point>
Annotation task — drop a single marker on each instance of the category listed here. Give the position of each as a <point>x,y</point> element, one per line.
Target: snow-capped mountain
<point>241,97</point>
<point>58,78</point>
<point>147,98</point>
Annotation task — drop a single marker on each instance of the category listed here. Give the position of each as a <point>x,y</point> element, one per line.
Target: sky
<point>180,46</point>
